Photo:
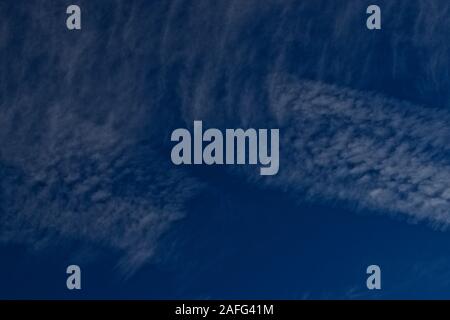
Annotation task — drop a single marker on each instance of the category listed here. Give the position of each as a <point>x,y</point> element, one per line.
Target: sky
<point>85,171</point>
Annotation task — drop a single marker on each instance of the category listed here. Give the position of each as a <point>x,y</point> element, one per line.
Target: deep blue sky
<point>85,123</point>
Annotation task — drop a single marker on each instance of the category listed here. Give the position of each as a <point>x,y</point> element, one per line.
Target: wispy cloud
<point>73,160</point>
<point>363,148</point>
<point>75,106</point>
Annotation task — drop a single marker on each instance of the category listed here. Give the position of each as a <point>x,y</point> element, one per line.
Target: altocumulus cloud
<point>73,160</point>
<point>381,153</point>
<point>84,117</point>
<point>358,147</point>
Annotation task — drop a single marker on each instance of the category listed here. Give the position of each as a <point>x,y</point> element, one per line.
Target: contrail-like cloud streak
<point>363,148</point>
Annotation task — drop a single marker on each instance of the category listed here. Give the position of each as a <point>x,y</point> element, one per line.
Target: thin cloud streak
<point>363,148</point>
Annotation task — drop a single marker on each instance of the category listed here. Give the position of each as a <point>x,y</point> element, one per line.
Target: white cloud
<point>73,162</point>
<point>74,110</point>
<point>363,148</point>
